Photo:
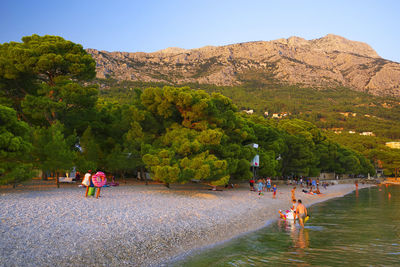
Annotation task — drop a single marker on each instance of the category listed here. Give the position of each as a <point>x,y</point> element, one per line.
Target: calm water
<point>360,229</point>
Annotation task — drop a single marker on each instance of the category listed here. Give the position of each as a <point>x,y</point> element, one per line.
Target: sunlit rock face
<point>329,61</point>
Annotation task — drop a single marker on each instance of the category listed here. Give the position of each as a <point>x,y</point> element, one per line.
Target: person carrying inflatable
<point>99,180</point>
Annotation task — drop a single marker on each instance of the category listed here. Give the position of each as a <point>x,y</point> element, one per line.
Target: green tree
<point>192,133</point>
<point>90,155</point>
<point>54,152</point>
<point>15,146</point>
<point>120,161</point>
<point>41,76</point>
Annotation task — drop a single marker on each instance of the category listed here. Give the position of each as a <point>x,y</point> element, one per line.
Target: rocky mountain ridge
<point>329,61</point>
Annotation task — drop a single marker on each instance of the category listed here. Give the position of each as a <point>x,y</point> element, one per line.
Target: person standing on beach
<point>313,184</point>
<point>77,176</point>
<point>87,181</point>
<point>274,189</point>
<point>264,184</point>
<point>251,182</point>
<point>268,185</point>
<point>301,213</point>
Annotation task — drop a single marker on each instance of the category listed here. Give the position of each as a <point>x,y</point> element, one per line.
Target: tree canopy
<point>15,146</point>
<point>52,119</point>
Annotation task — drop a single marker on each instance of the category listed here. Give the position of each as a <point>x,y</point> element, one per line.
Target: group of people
<point>310,183</point>
<point>262,186</point>
<point>93,181</point>
<point>299,211</point>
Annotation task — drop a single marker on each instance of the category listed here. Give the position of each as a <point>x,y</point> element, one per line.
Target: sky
<point>150,25</point>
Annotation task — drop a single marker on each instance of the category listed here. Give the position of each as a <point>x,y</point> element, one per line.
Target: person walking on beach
<point>260,187</point>
<point>293,193</point>
<point>87,181</point>
<point>301,212</point>
<point>274,189</point>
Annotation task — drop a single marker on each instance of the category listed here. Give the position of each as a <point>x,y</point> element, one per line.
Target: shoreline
<point>135,225</point>
<point>177,258</point>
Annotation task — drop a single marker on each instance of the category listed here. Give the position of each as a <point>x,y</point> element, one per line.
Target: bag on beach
<point>91,191</point>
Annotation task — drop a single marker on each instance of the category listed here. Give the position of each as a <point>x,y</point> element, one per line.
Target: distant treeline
<point>330,109</point>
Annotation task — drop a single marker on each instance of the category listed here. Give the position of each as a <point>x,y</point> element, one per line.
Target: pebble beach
<point>133,225</point>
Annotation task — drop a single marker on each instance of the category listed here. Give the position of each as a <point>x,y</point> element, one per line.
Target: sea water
<point>359,229</point>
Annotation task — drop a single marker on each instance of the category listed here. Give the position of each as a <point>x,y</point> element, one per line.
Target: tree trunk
<point>57,181</point>
<point>123,177</point>
<point>167,185</point>
<point>143,175</point>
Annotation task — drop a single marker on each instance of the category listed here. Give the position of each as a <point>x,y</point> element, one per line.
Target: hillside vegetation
<point>336,111</point>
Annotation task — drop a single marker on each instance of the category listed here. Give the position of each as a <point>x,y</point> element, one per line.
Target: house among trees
<point>367,133</point>
<point>395,145</point>
<point>250,111</point>
<point>280,115</point>
<point>347,114</point>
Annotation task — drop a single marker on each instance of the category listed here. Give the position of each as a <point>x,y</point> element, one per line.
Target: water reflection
<point>300,240</point>
<point>360,229</point>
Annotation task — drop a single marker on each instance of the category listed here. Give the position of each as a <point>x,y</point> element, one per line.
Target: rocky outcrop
<point>325,62</point>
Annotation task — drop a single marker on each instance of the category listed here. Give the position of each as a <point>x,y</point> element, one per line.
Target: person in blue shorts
<point>313,184</point>
<point>260,187</point>
<point>268,185</point>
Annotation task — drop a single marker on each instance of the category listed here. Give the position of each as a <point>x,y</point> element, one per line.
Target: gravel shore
<point>132,225</point>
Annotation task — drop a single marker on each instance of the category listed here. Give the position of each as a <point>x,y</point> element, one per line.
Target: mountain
<point>330,61</point>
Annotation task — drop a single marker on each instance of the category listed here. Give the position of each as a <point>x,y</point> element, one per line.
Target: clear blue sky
<point>153,25</point>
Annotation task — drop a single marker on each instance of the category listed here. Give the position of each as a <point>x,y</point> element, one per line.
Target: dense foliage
<point>52,120</point>
<point>332,110</point>
<point>15,146</point>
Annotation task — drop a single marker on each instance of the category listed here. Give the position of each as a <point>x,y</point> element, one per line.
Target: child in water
<point>294,201</point>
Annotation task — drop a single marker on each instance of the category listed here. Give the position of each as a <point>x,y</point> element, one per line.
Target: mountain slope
<point>330,61</point>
